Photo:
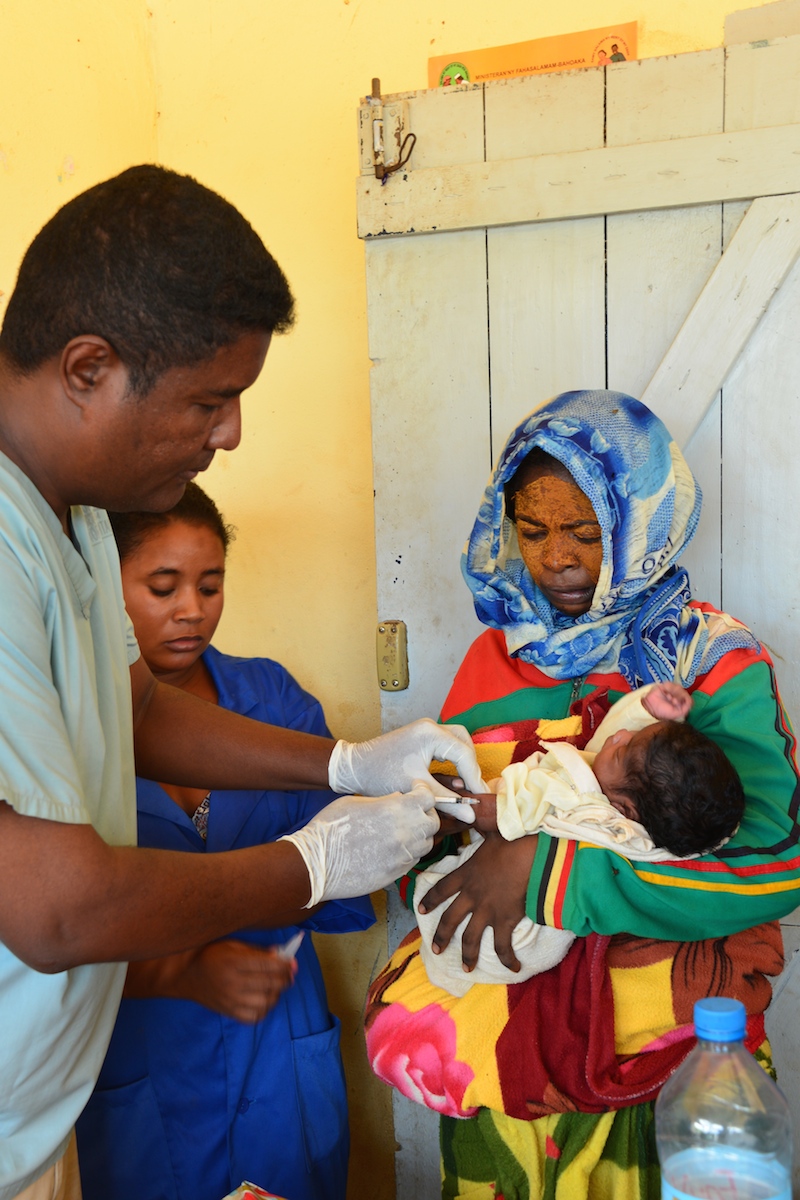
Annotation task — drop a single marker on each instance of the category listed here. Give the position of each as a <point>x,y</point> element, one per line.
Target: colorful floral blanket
<point>549,1045</point>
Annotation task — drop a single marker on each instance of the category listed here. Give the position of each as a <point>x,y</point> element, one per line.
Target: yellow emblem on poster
<point>566,52</point>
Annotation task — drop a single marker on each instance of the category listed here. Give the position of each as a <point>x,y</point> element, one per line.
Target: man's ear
<point>89,365</point>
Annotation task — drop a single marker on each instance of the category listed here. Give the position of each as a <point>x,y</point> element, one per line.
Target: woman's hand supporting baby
<point>493,886</point>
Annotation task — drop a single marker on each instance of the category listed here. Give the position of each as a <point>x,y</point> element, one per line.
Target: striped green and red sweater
<point>754,878</point>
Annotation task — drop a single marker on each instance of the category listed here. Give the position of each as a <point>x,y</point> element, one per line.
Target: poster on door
<point>566,52</point>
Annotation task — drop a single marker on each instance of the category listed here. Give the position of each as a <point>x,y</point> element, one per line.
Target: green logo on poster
<point>454,72</point>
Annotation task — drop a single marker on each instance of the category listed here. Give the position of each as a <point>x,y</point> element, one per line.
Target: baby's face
<point>615,760</point>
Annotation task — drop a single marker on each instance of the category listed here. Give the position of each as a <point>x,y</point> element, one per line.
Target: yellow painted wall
<point>258,99</point>
<point>78,105</point>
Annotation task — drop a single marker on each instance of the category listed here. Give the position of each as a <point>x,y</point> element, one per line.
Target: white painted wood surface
<point>545,283</point>
<point>432,455</point>
<point>736,296</point>
<point>659,260</point>
<point>433,452</point>
<point>669,174</point>
<point>591,284</point>
<point>762,84</point>
<point>660,99</point>
<point>761,488</point>
<point>544,114</point>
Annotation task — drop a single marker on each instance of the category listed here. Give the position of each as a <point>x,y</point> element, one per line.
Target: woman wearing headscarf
<point>572,564</point>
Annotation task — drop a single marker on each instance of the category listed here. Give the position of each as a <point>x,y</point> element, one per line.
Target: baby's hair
<point>687,793</point>
<point>132,529</point>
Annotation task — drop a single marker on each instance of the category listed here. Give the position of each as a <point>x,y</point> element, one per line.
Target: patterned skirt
<point>546,1089</point>
<point>569,1156</point>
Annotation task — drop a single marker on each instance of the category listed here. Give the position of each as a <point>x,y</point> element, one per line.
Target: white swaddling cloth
<point>552,791</point>
<point>538,947</point>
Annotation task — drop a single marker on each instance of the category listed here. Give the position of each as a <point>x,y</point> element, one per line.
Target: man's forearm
<point>69,898</point>
<point>184,740</point>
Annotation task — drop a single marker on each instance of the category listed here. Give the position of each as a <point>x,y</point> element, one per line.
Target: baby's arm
<point>640,708</point>
<point>668,702</point>
<point>483,807</point>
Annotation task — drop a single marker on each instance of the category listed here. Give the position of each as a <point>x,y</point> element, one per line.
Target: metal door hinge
<point>385,142</point>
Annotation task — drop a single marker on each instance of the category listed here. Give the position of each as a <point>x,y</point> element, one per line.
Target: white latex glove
<point>356,845</point>
<point>400,759</point>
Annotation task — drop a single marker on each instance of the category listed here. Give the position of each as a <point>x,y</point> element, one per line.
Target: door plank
<point>583,183</point>
<point>545,114</point>
<point>758,259</point>
<point>448,126</point>
<point>762,84</point>
<point>429,386</point>
<point>546,281</point>
<point>659,261</point>
<point>422,297</point>
<point>547,321</point>
<point>658,264</point>
<point>656,99</point>
<point>761,537</point>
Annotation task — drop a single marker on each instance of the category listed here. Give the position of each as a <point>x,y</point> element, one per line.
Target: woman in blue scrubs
<point>224,1065</point>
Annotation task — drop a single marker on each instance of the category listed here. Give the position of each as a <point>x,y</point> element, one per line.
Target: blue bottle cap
<point>718,1019</point>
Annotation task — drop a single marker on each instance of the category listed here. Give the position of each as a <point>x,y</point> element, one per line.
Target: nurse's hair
<point>132,529</point>
<point>164,269</point>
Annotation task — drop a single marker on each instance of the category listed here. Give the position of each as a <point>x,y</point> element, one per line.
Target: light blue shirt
<point>66,754</point>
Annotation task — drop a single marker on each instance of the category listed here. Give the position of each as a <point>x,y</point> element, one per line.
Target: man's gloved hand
<point>401,759</point>
<point>356,845</point>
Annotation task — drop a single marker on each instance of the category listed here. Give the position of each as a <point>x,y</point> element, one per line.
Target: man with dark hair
<point>143,310</point>
<point>162,268</point>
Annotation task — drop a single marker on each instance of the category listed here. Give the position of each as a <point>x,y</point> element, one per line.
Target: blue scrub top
<point>191,1103</point>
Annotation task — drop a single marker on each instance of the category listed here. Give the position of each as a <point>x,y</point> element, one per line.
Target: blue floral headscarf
<point>647,504</point>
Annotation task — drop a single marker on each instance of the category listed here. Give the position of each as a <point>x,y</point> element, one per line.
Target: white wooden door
<point>600,228</point>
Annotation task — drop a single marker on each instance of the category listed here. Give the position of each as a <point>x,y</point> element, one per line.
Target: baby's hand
<point>668,702</point>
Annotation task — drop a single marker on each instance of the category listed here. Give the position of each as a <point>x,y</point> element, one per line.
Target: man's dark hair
<point>132,529</point>
<point>687,793</point>
<point>164,269</point>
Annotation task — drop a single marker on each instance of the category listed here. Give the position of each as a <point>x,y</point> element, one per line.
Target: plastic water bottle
<point>722,1126</point>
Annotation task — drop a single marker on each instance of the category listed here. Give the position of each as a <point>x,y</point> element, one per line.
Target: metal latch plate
<point>392,656</point>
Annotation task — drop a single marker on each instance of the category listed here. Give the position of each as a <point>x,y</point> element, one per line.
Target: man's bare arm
<point>181,739</point>
<point>66,897</point>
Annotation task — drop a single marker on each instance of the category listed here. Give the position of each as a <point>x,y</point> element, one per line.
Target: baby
<point>646,785</point>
